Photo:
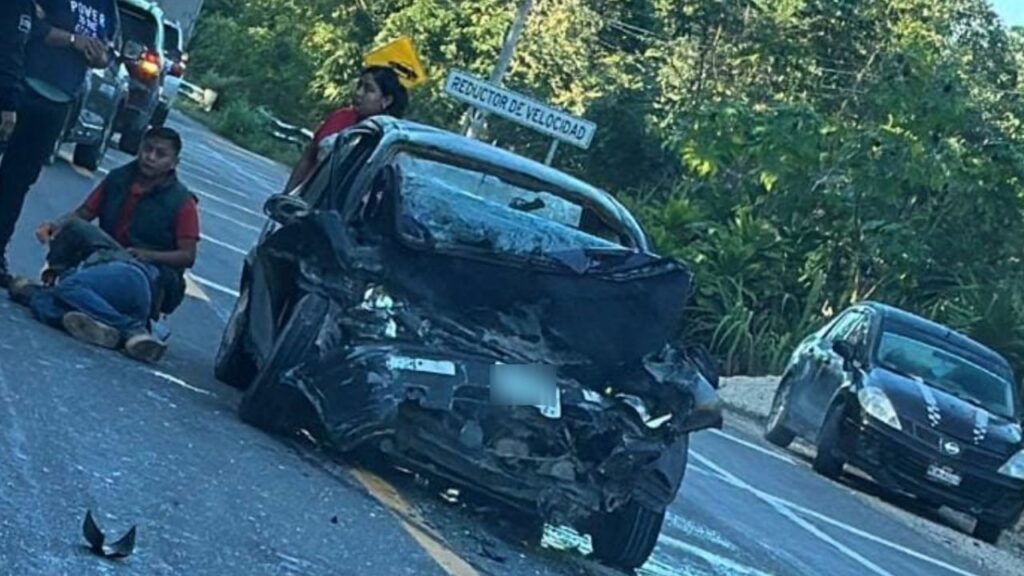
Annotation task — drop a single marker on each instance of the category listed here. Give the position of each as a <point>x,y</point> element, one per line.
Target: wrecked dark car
<point>923,409</point>
<point>480,317</point>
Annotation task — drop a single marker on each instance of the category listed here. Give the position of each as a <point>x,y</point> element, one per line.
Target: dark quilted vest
<point>152,224</point>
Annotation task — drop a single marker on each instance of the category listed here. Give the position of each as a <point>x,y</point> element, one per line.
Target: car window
<point>842,326</point>
<point>172,42</point>
<point>947,371</point>
<point>489,187</point>
<point>331,173</point>
<point>138,26</point>
<point>857,331</point>
<point>352,147</point>
<point>463,208</point>
<point>313,189</point>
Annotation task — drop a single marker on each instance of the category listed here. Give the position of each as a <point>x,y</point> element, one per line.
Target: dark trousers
<point>40,122</point>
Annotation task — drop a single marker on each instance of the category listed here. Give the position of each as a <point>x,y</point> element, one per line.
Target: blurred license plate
<point>943,475</point>
<point>526,385</point>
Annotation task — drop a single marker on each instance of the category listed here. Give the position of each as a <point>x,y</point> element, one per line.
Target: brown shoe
<point>87,329</point>
<point>145,348</point>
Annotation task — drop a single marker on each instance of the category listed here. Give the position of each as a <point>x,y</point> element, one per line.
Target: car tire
<point>826,461</point>
<point>90,156</point>
<point>267,404</point>
<point>775,430</point>
<point>234,365</point>
<point>131,140</point>
<point>987,531</point>
<point>626,537</point>
<point>160,115</point>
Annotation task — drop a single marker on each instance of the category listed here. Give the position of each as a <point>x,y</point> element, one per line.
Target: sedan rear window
<point>948,372</point>
<point>462,207</point>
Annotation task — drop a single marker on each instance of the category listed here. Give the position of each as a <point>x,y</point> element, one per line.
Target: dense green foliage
<point>799,154</point>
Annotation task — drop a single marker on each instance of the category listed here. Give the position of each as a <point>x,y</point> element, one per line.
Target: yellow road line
<point>428,539</point>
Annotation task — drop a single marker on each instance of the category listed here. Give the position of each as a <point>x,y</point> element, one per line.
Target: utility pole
<point>472,123</point>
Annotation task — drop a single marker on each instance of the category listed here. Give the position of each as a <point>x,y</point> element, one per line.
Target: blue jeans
<point>118,294</point>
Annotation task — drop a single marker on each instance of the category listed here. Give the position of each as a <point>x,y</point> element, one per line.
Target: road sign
<point>400,55</point>
<point>520,109</point>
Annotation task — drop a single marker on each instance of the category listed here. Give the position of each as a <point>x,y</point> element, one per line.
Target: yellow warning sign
<point>399,55</point>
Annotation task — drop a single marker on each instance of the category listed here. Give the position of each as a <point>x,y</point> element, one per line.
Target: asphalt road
<point>82,428</point>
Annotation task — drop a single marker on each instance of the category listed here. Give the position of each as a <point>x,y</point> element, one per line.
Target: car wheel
<point>775,430</point>
<point>234,366</point>
<point>268,404</point>
<point>160,115</point>
<point>90,156</point>
<point>987,531</point>
<point>625,538</point>
<point>131,140</point>
<point>827,461</point>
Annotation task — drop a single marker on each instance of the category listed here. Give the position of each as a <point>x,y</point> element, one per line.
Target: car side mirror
<point>284,209</point>
<point>845,350</point>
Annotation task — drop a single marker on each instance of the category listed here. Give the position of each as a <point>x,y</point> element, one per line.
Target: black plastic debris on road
<point>122,548</point>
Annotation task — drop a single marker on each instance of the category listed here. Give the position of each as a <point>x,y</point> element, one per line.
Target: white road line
<point>872,538</point>
<point>753,446</point>
<point>729,478</point>
<point>213,285</point>
<point>234,221</point>
<point>223,244</point>
<point>220,200</point>
<point>780,507</point>
<point>821,535</point>
<point>719,564</point>
<point>212,197</point>
<point>180,382</point>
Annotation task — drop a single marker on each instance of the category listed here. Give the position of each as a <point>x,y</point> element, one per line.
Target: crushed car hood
<point>948,416</point>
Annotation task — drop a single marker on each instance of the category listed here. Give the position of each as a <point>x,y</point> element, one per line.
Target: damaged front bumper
<point>433,411</point>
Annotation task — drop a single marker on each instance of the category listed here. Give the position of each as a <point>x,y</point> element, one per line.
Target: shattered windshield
<point>462,207</point>
<point>947,372</point>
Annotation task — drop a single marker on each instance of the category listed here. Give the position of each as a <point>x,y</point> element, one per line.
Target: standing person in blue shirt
<point>71,37</point>
<point>16,17</point>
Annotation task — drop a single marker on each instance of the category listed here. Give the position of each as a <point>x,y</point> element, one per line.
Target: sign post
<point>521,109</point>
<point>551,152</point>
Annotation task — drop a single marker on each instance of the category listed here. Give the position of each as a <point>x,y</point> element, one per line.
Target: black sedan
<point>481,317</point>
<point>921,408</point>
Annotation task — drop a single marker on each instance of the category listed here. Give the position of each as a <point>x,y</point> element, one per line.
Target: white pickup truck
<point>175,61</point>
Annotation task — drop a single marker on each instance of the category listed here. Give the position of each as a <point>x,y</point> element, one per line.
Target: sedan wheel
<point>827,461</point>
<point>775,430</point>
<point>270,404</point>
<point>234,365</point>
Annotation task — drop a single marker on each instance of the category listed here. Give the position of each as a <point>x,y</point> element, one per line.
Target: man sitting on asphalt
<point>132,268</point>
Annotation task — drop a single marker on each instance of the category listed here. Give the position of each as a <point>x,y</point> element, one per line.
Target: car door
<point>319,192</point>
<point>831,370</point>
<point>805,370</point>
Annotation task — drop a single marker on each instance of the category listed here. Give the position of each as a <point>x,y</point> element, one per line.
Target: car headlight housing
<point>1014,467</point>
<point>878,406</point>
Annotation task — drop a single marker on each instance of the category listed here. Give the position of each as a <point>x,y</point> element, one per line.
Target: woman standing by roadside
<point>378,91</point>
